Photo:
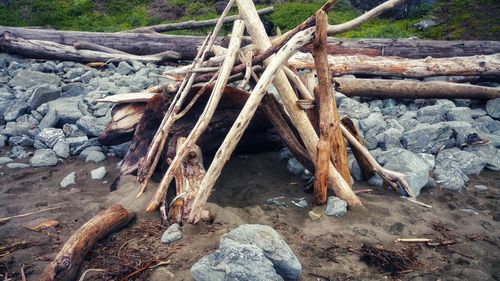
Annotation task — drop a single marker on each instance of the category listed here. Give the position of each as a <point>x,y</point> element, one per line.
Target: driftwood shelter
<point>220,102</point>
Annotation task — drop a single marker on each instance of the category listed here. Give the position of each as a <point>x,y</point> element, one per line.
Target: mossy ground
<point>461,19</point>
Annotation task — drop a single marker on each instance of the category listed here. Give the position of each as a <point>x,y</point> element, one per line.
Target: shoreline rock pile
<point>51,107</point>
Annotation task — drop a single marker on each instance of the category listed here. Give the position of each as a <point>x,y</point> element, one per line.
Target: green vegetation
<point>462,19</point>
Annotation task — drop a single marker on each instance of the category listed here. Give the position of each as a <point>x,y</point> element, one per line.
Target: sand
<point>328,249</point>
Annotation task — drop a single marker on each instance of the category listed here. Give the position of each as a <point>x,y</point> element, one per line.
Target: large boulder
<point>69,109</point>
<point>427,138</point>
<point>488,153</point>
<point>448,174</point>
<point>272,244</point>
<point>29,78</point>
<point>469,163</point>
<point>235,261</point>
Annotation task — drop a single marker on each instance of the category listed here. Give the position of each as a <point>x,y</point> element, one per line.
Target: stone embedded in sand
<point>335,207</point>
<point>95,156</point>
<point>235,262</point>
<point>44,157</point>
<point>68,180</point>
<point>17,165</point>
<point>266,238</point>
<point>481,187</point>
<point>172,234</point>
<point>99,173</point>
<point>4,160</point>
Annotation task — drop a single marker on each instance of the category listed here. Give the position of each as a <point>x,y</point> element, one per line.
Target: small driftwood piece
<point>413,240</point>
<point>481,65</point>
<point>84,45</point>
<point>187,181</point>
<point>299,118</point>
<point>68,260</point>
<point>192,24</point>
<point>393,179</point>
<point>405,89</point>
<point>205,118</point>
<point>7,219</point>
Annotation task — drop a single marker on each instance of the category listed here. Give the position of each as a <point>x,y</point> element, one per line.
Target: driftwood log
<point>68,260</point>
<point>150,44</point>
<point>407,89</point>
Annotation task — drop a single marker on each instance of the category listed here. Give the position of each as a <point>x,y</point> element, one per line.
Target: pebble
<point>68,180</point>
<point>172,234</point>
<point>99,173</point>
<point>481,187</point>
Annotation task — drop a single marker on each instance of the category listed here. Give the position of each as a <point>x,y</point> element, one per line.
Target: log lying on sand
<point>38,49</point>
<point>487,65</point>
<point>406,89</point>
<point>192,24</point>
<point>68,260</point>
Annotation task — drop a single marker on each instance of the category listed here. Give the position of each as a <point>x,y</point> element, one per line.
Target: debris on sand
<point>391,261</point>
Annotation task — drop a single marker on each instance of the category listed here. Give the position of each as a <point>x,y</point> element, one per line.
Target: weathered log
<point>68,260</point>
<point>411,48</point>
<point>330,140</point>
<point>123,121</point>
<point>131,43</point>
<point>483,65</point>
<point>192,24</point>
<point>54,51</point>
<point>299,118</point>
<point>203,121</point>
<point>406,89</point>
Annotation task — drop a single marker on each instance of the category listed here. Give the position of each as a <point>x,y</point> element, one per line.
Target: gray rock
<point>74,73</point>
<point>15,110</point>
<point>75,91</point>
<point>235,262</point>
<point>99,173</point>
<point>75,142</point>
<point>294,167</point>
<point>272,244</point>
<point>335,207</point>
<point>373,120</point>
<point>17,165</point>
<point>92,126</point>
<point>4,160</point>
<point>172,234</point>
<point>44,93</point>
<point>121,149</point>
<point>425,24</point>
<point>408,163</point>
<point>19,152</point>
<point>427,138</point>
<point>124,68</point>
<point>487,124</point>
<point>48,137</point>
<point>72,130</point>
<point>469,163</point>
<point>28,78</point>
<point>85,78</point>
<point>434,113</point>
<point>459,114</point>
<point>61,148</point>
<point>390,139</point>
<point>49,120</point>
<point>95,156</point>
<point>22,140</point>
<point>137,82</point>
<point>353,109</point>
<point>67,109</point>
<point>429,159</point>
<point>478,112</point>
<point>68,180</point>
<point>86,144</point>
<point>3,140</point>
<point>44,157</point>
<point>493,108</point>
<point>448,173</point>
<point>488,153</point>
<point>355,170</point>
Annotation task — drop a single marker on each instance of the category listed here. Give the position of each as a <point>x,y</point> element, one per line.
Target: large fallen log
<point>147,44</point>
<point>67,262</point>
<point>407,89</point>
<point>192,24</point>
<point>39,49</point>
<point>483,65</point>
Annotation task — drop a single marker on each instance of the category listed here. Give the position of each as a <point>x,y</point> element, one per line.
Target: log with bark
<point>67,262</point>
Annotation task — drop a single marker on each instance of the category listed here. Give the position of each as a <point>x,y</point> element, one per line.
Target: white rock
<point>68,180</point>
<point>99,173</point>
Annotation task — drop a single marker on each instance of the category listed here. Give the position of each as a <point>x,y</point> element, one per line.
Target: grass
<point>463,19</point>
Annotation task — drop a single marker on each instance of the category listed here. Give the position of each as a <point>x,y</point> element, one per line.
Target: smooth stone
<point>272,244</point>
<point>17,165</point>
<point>335,207</point>
<point>4,160</point>
<point>99,173</point>
<point>172,234</point>
<point>95,156</point>
<point>44,157</point>
<point>481,187</point>
<point>68,180</point>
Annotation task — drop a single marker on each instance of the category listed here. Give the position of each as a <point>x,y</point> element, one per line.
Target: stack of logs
<point>170,124</point>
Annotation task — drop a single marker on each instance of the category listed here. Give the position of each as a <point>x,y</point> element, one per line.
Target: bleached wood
<point>204,118</point>
<point>299,118</point>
